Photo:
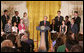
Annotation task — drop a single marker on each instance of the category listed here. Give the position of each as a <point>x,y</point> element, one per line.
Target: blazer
<point>51,27</point>
<point>74,28</point>
<point>56,20</point>
<point>20,27</point>
<point>14,19</point>
<point>42,23</point>
<point>4,21</point>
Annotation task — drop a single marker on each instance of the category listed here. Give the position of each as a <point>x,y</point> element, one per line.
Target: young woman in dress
<point>63,28</point>
<point>25,20</point>
<point>21,27</point>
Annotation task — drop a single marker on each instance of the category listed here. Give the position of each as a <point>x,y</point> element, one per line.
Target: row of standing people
<point>63,26</point>
<point>16,24</point>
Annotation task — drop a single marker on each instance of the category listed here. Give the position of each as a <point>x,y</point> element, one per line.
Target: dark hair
<point>58,11</point>
<point>8,49</point>
<point>76,48</point>
<point>16,11</point>
<point>11,37</point>
<point>67,17</point>
<point>73,19</point>
<point>13,23</point>
<point>5,10</point>
<point>25,47</point>
<point>76,12</point>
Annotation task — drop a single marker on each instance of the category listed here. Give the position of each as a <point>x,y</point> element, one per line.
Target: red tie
<point>44,23</point>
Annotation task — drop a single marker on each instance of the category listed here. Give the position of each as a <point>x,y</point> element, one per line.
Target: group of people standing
<point>17,24</point>
<point>62,26</point>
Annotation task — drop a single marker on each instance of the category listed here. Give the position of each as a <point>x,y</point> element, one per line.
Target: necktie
<point>71,25</point>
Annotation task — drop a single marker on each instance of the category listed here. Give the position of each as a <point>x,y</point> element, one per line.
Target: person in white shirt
<point>14,28</point>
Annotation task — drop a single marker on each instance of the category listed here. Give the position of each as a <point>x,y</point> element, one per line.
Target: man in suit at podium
<point>45,23</point>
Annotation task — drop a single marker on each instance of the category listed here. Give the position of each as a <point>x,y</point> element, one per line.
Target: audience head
<point>75,13</point>
<point>25,14</point>
<point>59,13</point>
<point>45,18</point>
<point>72,20</point>
<point>16,13</point>
<point>6,43</point>
<point>11,37</point>
<point>5,12</point>
<point>67,17</point>
<point>24,38</point>
<point>76,48</point>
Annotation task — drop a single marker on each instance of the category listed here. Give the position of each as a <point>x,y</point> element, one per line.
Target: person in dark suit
<point>45,23</point>
<point>77,19</point>
<point>73,27</point>
<point>58,20</point>
<point>67,22</point>
<point>16,18</point>
<point>4,19</point>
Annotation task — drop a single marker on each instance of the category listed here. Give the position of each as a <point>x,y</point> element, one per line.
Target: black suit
<point>4,20</point>
<point>78,21</point>
<point>17,20</point>
<point>58,22</point>
<point>74,28</point>
<point>51,27</point>
<point>46,33</point>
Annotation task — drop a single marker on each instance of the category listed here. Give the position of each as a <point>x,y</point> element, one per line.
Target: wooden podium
<point>42,29</point>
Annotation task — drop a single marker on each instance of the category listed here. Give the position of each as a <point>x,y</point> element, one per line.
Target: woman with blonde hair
<point>25,20</point>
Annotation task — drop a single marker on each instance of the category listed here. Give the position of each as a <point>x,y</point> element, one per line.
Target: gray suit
<point>74,28</point>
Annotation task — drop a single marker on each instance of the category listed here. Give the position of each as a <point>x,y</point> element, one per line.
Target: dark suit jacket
<point>4,21</point>
<point>78,21</point>
<point>51,27</point>
<point>58,23</point>
<point>14,19</point>
<point>56,19</point>
<point>74,29</point>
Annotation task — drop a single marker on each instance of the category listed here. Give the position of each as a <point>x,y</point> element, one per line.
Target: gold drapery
<point>36,12</point>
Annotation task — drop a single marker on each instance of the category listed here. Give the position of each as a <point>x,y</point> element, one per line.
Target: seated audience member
<point>70,40</point>
<point>7,43</point>
<point>76,48</point>
<point>58,20</point>
<point>63,28</point>
<point>16,18</point>
<point>21,27</point>
<point>4,19</point>
<point>8,27</point>
<point>3,36</point>
<point>67,22</point>
<point>77,19</point>
<point>11,37</point>
<point>8,49</point>
<point>26,40</point>
<point>14,28</point>
<point>73,27</point>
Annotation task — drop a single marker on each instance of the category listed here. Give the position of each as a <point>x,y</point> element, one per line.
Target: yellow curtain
<point>36,12</point>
